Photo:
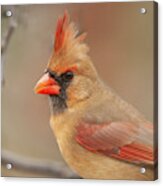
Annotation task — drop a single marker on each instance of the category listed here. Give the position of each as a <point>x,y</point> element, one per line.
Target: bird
<point>99,134</point>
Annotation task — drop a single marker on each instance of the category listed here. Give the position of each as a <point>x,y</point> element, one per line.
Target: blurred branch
<point>56,169</point>
<point>12,24</point>
<point>7,37</point>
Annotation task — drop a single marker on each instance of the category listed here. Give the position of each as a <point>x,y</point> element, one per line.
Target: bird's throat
<point>57,104</point>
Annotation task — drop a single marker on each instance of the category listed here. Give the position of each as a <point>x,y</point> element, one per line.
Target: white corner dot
<point>143,10</point>
<point>142,170</point>
<point>8,13</point>
<point>9,166</point>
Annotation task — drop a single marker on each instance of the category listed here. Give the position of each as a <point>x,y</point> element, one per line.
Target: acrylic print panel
<point>99,90</point>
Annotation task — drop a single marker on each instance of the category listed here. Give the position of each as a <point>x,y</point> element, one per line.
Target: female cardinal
<point>99,135</point>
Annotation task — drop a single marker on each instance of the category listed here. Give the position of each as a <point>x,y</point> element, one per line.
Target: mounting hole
<point>142,170</point>
<point>9,166</point>
<point>8,13</point>
<point>143,10</point>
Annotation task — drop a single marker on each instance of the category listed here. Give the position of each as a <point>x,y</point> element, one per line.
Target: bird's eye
<point>67,76</point>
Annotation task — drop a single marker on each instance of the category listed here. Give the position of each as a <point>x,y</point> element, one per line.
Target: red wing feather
<point>116,139</point>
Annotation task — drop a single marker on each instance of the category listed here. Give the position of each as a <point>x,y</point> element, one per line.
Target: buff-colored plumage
<point>99,135</point>
<point>86,163</point>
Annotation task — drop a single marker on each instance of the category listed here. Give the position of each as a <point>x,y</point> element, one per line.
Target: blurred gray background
<point>121,47</point>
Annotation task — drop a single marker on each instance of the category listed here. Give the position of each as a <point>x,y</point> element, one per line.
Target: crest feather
<point>66,33</point>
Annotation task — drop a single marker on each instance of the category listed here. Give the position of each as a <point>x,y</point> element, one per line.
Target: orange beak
<point>47,85</point>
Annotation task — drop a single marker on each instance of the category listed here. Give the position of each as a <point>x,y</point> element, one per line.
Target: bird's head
<point>70,75</point>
